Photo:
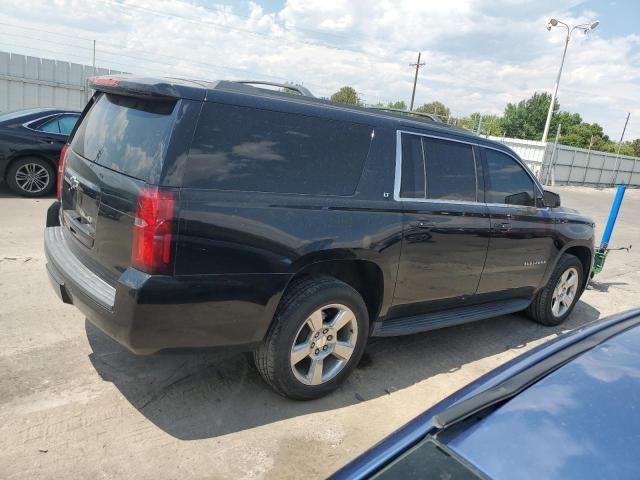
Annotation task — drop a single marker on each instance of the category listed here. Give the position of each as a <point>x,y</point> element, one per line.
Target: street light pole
<point>554,23</point>
<point>555,90</point>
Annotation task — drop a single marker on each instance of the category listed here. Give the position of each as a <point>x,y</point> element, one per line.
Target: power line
<point>192,63</point>
<point>57,52</point>
<point>103,51</point>
<point>294,29</point>
<point>250,32</point>
<point>51,41</point>
<point>21,27</point>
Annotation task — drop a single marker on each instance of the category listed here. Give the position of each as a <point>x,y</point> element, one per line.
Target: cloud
<point>479,54</point>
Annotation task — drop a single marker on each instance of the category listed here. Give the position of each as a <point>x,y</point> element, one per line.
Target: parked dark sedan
<point>568,409</point>
<point>30,144</point>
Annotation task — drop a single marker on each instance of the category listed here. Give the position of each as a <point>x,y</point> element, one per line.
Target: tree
<point>346,95</point>
<point>436,107</point>
<point>527,119</point>
<point>399,104</point>
<point>583,135</point>
<point>491,124</point>
<point>567,120</point>
<point>635,147</point>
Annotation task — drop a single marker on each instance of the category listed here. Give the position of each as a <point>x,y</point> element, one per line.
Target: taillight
<point>151,250</point>
<point>63,154</point>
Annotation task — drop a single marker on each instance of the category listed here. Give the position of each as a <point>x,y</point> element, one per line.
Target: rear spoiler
<point>131,85</point>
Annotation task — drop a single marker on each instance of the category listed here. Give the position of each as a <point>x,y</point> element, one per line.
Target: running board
<point>431,321</point>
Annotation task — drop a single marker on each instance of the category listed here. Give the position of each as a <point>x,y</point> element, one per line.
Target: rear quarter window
<point>249,149</point>
<point>126,134</point>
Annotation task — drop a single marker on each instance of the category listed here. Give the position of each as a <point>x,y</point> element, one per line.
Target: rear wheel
<point>30,177</point>
<point>318,337</point>
<point>553,304</point>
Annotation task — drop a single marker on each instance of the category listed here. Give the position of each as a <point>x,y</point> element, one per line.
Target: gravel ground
<point>74,404</point>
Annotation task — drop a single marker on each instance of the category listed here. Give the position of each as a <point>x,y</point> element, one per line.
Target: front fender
<point>551,266</point>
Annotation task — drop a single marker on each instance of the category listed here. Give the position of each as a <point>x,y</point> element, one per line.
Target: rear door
<point>521,230</point>
<point>446,227</point>
<point>118,148</point>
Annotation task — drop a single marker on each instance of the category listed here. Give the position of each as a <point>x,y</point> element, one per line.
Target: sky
<point>478,54</point>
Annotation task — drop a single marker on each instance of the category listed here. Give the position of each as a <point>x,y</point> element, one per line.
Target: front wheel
<point>319,334</point>
<point>553,304</point>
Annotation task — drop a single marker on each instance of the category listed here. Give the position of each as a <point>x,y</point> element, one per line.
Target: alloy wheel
<point>565,292</point>
<point>324,344</point>
<point>32,178</point>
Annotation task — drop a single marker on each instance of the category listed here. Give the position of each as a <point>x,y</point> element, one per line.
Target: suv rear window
<point>126,134</point>
<point>251,149</point>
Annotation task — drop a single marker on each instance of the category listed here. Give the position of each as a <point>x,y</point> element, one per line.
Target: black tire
<point>540,309</point>
<point>39,164</point>
<point>273,357</point>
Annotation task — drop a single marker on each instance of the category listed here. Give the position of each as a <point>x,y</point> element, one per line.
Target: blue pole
<point>613,215</point>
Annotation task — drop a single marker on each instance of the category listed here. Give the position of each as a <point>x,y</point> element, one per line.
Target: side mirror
<point>550,199</point>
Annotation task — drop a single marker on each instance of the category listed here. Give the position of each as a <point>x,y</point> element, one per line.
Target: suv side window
<point>507,182</point>
<point>251,149</point>
<point>451,170</point>
<point>437,169</point>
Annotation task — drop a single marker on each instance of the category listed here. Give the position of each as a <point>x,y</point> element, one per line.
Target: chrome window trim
<point>398,172</point>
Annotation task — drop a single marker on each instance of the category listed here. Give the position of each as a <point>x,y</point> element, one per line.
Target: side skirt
<point>434,320</point>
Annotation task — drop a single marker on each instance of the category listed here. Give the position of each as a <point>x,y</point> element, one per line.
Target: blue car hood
<point>581,421</point>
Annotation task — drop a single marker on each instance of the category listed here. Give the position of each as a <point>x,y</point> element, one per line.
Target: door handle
<point>502,226</point>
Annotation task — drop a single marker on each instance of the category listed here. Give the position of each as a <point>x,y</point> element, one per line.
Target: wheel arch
<point>585,255</point>
<point>364,276</point>
<point>583,252</point>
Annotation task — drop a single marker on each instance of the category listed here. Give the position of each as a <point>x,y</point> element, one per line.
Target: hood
<point>581,421</point>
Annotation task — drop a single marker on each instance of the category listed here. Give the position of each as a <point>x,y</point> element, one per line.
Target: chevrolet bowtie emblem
<point>73,182</point>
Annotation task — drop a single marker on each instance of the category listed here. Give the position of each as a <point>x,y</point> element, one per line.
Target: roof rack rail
<point>296,88</point>
<point>431,116</point>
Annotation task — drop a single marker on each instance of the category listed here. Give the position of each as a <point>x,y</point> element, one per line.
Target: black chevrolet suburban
<point>199,214</point>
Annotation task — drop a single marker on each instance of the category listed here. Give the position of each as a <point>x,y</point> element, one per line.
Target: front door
<point>521,234</point>
<point>445,236</point>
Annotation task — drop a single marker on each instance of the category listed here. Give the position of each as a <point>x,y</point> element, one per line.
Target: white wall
<point>575,166</point>
<point>39,82</point>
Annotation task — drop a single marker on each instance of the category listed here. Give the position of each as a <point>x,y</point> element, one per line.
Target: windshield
<point>428,459</point>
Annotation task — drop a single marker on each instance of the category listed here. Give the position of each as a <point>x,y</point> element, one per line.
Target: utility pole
<point>626,122</point>
<point>479,124</point>
<point>415,78</point>
<point>93,70</point>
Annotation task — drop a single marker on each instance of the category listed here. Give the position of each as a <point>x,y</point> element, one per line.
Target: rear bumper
<point>147,313</point>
